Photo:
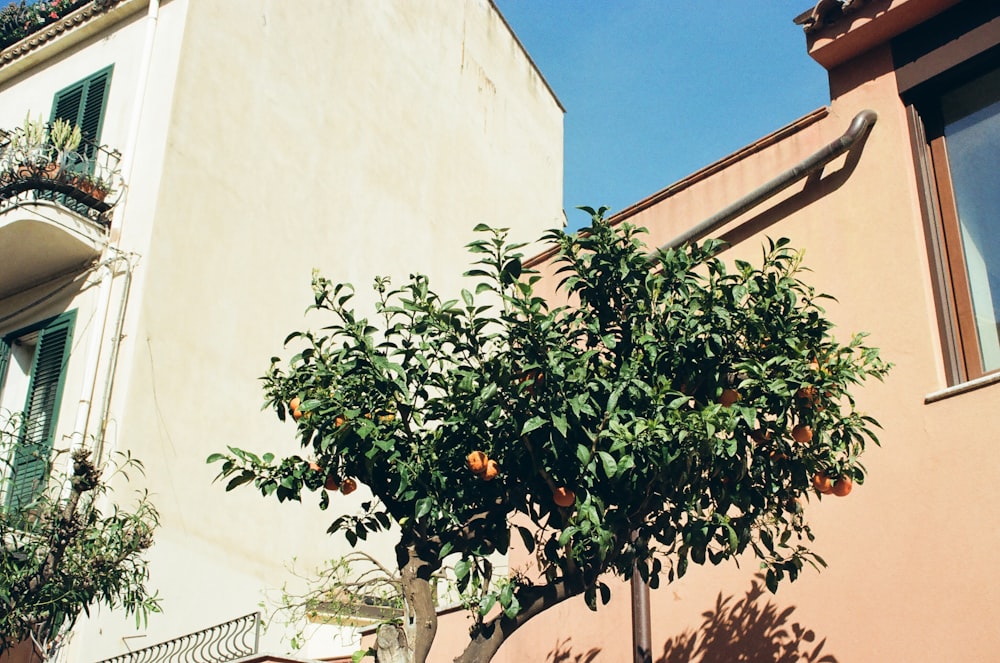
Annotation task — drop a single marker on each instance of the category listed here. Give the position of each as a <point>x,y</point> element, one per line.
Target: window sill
<point>964,387</point>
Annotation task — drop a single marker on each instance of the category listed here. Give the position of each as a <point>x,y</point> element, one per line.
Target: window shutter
<point>83,103</point>
<point>30,462</point>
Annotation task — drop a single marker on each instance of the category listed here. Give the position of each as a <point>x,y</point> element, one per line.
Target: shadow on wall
<point>563,653</point>
<point>748,630</point>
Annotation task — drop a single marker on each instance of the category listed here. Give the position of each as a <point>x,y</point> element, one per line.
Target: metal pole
<point>642,638</point>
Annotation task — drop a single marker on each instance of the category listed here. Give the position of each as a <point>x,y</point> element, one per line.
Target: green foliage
<point>60,555</point>
<point>620,397</point>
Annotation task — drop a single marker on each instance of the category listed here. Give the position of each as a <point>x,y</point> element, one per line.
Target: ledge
<point>962,388</point>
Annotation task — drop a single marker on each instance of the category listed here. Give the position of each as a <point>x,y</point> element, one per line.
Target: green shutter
<point>30,461</point>
<point>83,103</point>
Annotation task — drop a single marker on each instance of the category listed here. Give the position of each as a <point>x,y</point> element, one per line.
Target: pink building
<point>892,191</point>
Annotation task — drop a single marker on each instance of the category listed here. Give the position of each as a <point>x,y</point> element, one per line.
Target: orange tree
<point>676,412</point>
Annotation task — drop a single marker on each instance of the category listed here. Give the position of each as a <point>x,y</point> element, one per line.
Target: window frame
<point>934,58</point>
<point>17,491</point>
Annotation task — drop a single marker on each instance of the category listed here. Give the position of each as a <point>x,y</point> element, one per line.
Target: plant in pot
<point>91,185</point>
<point>31,148</point>
<point>64,138</point>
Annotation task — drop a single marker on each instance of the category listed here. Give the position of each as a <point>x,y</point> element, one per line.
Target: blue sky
<point>656,89</point>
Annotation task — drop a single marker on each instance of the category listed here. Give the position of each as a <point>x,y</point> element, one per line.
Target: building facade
<point>891,191</point>
<point>244,143</point>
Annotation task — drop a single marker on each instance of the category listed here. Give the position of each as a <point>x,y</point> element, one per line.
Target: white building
<point>258,139</point>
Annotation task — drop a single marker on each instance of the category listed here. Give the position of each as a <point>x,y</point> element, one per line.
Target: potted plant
<point>30,145</point>
<point>65,137</point>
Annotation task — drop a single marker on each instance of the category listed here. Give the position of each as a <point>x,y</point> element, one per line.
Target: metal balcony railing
<point>228,641</point>
<point>85,180</point>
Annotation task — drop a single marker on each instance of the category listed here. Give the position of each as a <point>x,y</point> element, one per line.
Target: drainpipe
<point>859,129</point>
<point>145,64</point>
<point>116,342</point>
<point>127,167</point>
<point>104,274</point>
<point>860,126</point>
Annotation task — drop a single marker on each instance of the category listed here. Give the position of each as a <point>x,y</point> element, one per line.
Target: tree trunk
<point>390,644</point>
<point>415,577</point>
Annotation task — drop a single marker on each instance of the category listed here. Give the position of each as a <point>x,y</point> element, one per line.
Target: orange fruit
<point>331,483</point>
<point>809,394</point>
<point>802,433</point>
<point>728,397</point>
<point>294,404</point>
<point>386,418</point>
<point>339,421</point>
<point>492,470</point>
<point>296,414</point>
<point>843,486</point>
<point>476,462</point>
<point>823,483</point>
<point>349,486</point>
<point>563,497</point>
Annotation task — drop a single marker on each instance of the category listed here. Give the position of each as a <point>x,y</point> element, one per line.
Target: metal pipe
<point>642,637</point>
<point>859,129</point>
<point>860,126</point>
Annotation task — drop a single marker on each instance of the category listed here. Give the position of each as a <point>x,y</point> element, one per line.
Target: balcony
<point>55,204</point>
<point>229,641</point>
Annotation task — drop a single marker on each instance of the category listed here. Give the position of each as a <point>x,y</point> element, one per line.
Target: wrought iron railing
<point>228,641</point>
<point>85,179</point>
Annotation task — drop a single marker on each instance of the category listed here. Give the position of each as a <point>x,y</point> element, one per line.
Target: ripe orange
<point>296,414</point>
<point>386,418</point>
<point>563,497</point>
<point>843,486</point>
<point>809,394</point>
<point>349,486</point>
<point>476,462</point>
<point>331,483</point>
<point>728,397</point>
<point>339,421</point>
<point>823,483</point>
<point>492,470</point>
<point>295,403</point>
<point>802,433</point>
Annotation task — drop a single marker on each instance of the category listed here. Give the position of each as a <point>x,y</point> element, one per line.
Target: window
<point>965,148</point>
<point>948,72</point>
<point>32,370</point>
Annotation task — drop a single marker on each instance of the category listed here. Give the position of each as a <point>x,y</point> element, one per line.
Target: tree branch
<point>534,600</point>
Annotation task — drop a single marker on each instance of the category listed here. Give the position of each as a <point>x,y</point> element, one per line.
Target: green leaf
<point>609,464</point>
<point>527,538</point>
<point>243,477</point>
<point>486,604</point>
<point>559,421</point>
<point>534,423</point>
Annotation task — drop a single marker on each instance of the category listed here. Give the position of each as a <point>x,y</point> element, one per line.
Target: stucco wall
<point>355,137</point>
<point>910,575</point>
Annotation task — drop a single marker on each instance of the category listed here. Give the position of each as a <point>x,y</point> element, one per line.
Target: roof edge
<point>704,173</point>
<point>531,61</point>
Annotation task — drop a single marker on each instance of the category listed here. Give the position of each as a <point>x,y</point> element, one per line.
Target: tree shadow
<point>747,630</point>
<point>563,653</point>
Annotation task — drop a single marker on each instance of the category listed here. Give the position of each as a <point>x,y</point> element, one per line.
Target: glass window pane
<point>972,136</point>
